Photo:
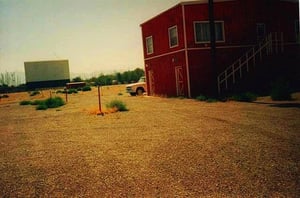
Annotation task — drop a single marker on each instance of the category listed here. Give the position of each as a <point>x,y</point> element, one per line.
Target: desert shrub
<point>37,102</point>
<point>45,104</point>
<point>119,105</point>
<point>201,98</point>
<point>281,91</point>
<point>205,98</point>
<point>41,106</point>
<point>54,102</point>
<point>120,94</point>
<point>210,100</point>
<point>25,102</point>
<point>244,97</point>
<point>86,88</point>
<point>71,91</point>
<point>34,93</point>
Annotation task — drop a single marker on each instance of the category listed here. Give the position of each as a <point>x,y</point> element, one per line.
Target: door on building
<point>151,83</point>
<point>179,81</point>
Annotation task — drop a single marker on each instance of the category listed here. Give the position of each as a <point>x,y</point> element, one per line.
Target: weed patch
<point>244,97</point>
<point>206,99</point>
<point>25,102</point>
<point>37,102</point>
<point>54,102</point>
<point>45,104</point>
<point>117,104</point>
<point>86,88</point>
<point>201,98</point>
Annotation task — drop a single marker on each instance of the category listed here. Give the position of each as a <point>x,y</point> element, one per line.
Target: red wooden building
<point>177,51</point>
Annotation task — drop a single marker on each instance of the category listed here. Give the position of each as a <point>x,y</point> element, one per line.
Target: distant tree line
<point>9,79</point>
<point>10,82</point>
<point>116,78</point>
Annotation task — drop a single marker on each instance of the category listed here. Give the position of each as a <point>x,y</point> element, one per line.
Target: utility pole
<point>213,45</point>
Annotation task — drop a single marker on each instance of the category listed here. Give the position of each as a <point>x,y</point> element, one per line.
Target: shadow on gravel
<point>286,105</point>
<point>281,105</point>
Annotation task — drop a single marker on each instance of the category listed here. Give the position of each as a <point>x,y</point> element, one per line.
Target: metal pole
<point>213,45</point>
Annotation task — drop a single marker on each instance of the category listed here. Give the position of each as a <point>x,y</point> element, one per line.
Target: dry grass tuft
<point>95,111</point>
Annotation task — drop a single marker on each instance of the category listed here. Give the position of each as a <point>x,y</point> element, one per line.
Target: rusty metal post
<point>99,99</point>
<point>66,94</point>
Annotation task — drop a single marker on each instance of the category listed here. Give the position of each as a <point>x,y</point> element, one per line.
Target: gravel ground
<point>161,147</point>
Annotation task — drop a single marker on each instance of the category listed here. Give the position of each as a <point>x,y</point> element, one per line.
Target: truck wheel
<point>139,91</point>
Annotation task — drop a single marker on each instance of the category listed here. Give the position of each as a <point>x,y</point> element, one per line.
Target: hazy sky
<point>94,35</point>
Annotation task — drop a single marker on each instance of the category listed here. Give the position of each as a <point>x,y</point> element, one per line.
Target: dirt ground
<point>161,147</point>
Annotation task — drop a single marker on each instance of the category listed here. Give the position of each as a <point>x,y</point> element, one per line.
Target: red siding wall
<point>163,69</point>
<point>158,29</point>
<point>240,22</point>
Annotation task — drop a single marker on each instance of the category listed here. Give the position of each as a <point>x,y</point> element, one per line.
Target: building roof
<point>194,2</point>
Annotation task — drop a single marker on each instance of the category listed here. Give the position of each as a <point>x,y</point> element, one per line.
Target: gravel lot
<point>161,147</point>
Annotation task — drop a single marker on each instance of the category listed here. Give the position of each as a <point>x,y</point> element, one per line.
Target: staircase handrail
<point>242,62</point>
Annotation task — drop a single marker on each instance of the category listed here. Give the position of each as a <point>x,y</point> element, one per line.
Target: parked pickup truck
<point>138,88</point>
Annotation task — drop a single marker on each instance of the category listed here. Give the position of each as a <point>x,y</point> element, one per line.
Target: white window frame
<point>207,22</point>
<point>149,50</point>
<point>170,39</point>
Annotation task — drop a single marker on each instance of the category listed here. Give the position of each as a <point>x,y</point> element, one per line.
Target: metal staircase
<point>272,44</point>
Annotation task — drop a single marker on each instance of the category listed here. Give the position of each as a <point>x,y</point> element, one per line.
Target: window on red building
<point>173,36</point>
<point>149,45</point>
<point>202,31</point>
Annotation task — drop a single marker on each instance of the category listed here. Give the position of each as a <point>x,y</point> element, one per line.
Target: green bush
<point>45,104</point>
<point>212,100</point>
<point>71,91</point>
<point>117,104</point>
<point>54,102</point>
<point>37,102</point>
<point>42,106</point>
<point>201,98</point>
<point>86,88</point>
<point>244,97</point>
<point>281,91</point>
<point>25,102</point>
